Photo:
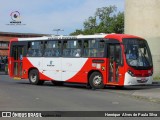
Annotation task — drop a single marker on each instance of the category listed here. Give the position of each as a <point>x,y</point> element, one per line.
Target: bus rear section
<point>15,58</point>
<point>95,60</point>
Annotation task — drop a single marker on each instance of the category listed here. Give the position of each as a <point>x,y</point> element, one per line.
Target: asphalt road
<point>19,95</point>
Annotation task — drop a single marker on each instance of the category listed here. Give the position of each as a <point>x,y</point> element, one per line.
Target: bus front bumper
<point>130,80</point>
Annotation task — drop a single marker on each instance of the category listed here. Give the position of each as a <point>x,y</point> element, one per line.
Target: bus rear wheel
<point>34,77</point>
<point>96,80</point>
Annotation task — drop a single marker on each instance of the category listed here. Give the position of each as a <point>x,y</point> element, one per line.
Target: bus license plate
<point>142,80</point>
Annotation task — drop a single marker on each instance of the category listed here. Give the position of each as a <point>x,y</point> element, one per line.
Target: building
<point>142,18</point>
<point>6,36</point>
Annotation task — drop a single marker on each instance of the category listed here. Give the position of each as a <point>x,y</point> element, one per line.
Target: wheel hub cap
<point>97,80</point>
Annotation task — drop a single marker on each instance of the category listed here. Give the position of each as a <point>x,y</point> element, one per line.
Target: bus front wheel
<point>34,77</point>
<point>96,80</point>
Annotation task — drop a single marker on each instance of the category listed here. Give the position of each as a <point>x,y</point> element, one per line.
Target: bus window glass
<point>52,49</point>
<point>137,53</point>
<point>118,55</point>
<point>35,49</point>
<point>94,48</point>
<point>72,48</point>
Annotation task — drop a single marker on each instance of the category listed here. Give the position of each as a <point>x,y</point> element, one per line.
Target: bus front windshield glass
<point>137,52</point>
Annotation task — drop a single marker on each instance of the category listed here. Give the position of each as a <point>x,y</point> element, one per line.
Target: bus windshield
<point>137,53</point>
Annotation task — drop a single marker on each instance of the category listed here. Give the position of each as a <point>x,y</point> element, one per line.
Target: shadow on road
<point>135,87</point>
<point>83,86</point>
<point>79,86</point>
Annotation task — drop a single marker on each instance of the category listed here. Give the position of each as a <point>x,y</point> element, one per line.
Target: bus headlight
<point>131,73</point>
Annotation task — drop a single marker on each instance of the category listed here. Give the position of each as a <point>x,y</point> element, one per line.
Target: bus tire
<point>34,77</point>
<point>96,80</point>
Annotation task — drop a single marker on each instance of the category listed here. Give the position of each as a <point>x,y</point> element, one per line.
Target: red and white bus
<point>94,60</point>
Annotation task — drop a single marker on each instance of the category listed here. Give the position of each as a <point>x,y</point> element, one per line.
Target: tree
<point>119,23</point>
<point>105,20</point>
<point>77,32</point>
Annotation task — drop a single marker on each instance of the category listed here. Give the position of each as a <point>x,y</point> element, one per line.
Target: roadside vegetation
<point>105,20</point>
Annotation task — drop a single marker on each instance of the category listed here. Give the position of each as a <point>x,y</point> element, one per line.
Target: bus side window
<point>29,50</point>
<point>77,51</point>
<point>101,45</point>
<point>35,49</point>
<point>94,48</point>
<point>52,49</point>
<point>72,48</point>
<point>65,52</point>
<point>86,50</point>
<point>46,49</point>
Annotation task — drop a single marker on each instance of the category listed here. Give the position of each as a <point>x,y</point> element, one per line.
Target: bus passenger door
<point>17,55</point>
<point>114,55</point>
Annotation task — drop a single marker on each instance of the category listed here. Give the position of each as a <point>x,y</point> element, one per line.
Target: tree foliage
<point>105,20</point>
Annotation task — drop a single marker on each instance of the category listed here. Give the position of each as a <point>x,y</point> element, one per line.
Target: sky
<point>45,16</point>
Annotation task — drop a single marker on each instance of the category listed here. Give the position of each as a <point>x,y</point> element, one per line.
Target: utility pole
<point>58,30</point>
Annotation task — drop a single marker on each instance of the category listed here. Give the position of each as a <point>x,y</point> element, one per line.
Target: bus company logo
<point>15,18</point>
<point>50,64</point>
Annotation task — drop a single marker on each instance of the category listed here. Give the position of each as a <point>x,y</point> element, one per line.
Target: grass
<point>157,78</point>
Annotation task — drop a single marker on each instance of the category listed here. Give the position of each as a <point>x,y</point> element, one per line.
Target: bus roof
<point>55,37</point>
